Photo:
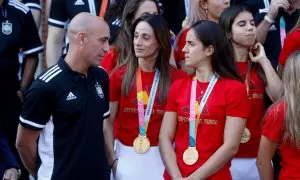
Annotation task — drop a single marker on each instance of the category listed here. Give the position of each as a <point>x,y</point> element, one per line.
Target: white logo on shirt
<point>71,96</point>
<point>78,3</point>
<point>99,90</point>
<point>6,28</point>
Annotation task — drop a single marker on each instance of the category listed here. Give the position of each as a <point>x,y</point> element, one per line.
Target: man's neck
<point>74,63</point>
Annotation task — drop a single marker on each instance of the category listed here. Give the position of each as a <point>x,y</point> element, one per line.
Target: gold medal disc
<point>190,156</point>
<point>246,135</point>
<point>141,144</point>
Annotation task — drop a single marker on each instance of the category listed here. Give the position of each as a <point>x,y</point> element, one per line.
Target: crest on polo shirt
<point>99,90</point>
<point>6,28</point>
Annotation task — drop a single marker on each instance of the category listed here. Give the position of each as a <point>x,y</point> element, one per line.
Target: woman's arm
<point>266,152</point>
<point>166,137</point>
<point>233,131</point>
<point>274,84</point>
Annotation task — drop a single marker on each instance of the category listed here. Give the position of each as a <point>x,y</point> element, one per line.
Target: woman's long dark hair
<point>223,59</point>
<point>226,21</point>
<point>124,38</point>
<point>162,35</point>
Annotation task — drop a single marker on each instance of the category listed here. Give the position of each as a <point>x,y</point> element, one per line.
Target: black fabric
<point>33,4</point>
<point>64,10</point>
<point>20,33</point>
<point>78,105</point>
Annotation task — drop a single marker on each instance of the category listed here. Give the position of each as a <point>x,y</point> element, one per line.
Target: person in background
<point>258,76</point>
<point>199,10</point>
<point>61,12</point>
<point>267,14</point>
<point>119,50</point>
<point>291,44</point>
<point>138,92</point>
<point>206,112</point>
<point>18,32</point>
<point>281,127</point>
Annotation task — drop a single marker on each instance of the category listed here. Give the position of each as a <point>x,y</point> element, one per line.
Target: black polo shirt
<point>33,4</point>
<point>71,143</point>
<point>64,10</point>
<point>272,44</point>
<point>18,31</point>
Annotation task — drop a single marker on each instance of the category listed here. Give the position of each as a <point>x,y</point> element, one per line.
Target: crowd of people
<point>132,90</point>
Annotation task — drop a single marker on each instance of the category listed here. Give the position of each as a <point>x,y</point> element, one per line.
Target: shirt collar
<point>75,76</point>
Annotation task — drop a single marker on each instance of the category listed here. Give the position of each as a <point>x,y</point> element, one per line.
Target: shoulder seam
<point>50,73</point>
<point>19,6</point>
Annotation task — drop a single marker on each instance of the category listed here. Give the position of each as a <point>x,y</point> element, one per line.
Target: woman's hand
<point>258,54</point>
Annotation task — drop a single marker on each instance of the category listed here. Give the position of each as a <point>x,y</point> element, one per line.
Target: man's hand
<point>11,174</point>
<point>275,6</point>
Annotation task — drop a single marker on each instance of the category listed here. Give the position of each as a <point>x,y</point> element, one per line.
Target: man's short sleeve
<point>33,4</point>
<point>37,106</point>
<point>58,14</point>
<point>31,42</point>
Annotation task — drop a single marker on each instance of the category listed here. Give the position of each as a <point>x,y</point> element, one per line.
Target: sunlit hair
<point>124,36</point>
<point>223,60</point>
<point>291,85</point>
<point>162,35</point>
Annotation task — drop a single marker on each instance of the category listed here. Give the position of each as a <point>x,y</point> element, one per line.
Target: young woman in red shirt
<point>120,49</point>
<point>281,130</point>
<point>199,10</point>
<point>258,76</point>
<point>206,112</point>
<point>291,44</point>
<point>138,93</point>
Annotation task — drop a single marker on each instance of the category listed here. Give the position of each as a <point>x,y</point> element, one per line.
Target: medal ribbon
<point>247,79</point>
<point>192,119</point>
<point>144,117</point>
<point>103,8</point>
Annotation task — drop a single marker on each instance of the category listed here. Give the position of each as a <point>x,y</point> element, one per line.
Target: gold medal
<point>141,144</point>
<point>246,135</point>
<point>190,156</point>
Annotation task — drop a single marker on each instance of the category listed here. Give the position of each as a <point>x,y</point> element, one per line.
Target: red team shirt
<point>126,122</point>
<point>228,98</point>
<point>179,54</point>
<point>109,61</point>
<point>291,44</point>
<point>273,130</point>
<point>257,110</point>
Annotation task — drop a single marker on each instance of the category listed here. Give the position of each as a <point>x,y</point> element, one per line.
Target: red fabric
<point>273,130</point>
<point>228,98</point>
<point>291,43</point>
<point>257,111</point>
<point>178,53</point>
<point>127,126</point>
<point>109,62</point>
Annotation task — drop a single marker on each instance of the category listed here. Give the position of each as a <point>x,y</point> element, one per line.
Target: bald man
<point>60,135</point>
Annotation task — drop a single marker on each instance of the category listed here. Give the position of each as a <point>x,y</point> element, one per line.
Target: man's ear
<point>80,38</point>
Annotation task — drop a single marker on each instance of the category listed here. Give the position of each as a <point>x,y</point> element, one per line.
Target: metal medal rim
<point>145,141</point>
